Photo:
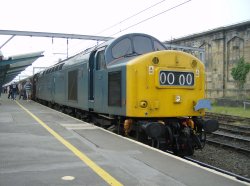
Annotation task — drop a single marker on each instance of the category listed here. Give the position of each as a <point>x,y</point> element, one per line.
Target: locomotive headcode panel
<point>175,78</point>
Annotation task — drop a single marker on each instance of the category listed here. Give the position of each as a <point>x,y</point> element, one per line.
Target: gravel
<point>225,159</point>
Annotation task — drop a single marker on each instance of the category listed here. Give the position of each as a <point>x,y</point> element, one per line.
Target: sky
<point>165,20</point>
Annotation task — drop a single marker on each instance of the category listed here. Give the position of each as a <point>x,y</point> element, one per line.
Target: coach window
<point>72,84</point>
<point>57,67</point>
<point>100,61</point>
<point>60,67</point>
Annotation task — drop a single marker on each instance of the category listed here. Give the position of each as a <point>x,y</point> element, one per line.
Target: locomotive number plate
<point>175,78</point>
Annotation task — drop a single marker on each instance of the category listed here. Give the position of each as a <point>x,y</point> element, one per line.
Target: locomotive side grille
<point>72,85</point>
<point>114,89</point>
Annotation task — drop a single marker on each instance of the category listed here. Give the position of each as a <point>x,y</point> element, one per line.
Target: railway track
<point>239,177</point>
<point>235,129</point>
<point>228,118</point>
<point>233,133</point>
<point>232,141</point>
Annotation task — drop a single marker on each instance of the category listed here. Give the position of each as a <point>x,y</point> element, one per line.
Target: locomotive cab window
<point>122,48</point>
<point>158,46</point>
<point>142,44</point>
<point>100,61</point>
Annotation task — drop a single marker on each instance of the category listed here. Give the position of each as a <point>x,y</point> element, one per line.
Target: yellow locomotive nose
<point>166,85</point>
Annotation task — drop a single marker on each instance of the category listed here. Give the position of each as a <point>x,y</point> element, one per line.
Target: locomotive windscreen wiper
<point>131,54</point>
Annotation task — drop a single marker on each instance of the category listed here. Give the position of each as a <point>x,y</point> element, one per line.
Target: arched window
<point>208,55</point>
<point>235,49</point>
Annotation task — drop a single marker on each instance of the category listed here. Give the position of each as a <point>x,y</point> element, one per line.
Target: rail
<point>242,178</point>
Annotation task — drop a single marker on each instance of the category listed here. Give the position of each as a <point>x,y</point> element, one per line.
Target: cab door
<point>91,82</point>
<point>100,81</point>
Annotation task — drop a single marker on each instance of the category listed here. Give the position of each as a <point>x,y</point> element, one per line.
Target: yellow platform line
<point>98,170</point>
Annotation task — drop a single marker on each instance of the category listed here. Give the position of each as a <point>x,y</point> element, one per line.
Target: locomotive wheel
<point>183,147</point>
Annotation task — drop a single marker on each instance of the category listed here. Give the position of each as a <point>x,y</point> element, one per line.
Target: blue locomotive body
<point>135,84</point>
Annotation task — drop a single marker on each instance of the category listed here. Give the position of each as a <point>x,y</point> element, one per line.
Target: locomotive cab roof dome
<point>132,45</point>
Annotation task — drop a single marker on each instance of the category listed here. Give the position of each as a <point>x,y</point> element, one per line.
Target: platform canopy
<point>13,65</point>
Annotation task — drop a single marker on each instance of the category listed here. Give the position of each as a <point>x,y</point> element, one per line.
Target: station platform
<point>42,147</point>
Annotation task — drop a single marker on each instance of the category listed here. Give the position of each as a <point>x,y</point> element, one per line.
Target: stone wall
<point>223,48</point>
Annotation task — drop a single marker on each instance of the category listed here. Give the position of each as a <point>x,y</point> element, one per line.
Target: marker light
<point>177,99</point>
<point>143,104</point>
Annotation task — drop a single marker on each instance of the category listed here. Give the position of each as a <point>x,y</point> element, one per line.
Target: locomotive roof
<point>126,46</point>
<point>131,45</point>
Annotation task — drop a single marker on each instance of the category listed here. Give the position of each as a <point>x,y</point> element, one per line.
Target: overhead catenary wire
<point>116,24</point>
<point>131,16</point>
<point>136,14</point>
<point>176,6</point>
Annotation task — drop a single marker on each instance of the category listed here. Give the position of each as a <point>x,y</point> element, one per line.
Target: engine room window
<point>142,44</point>
<point>122,48</point>
<point>100,61</point>
<point>114,89</point>
<point>72,85</point>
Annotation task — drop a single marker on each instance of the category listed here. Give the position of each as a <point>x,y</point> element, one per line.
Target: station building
<point>224,46</point>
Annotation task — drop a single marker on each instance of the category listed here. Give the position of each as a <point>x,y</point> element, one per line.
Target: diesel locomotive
<point>136,87</point>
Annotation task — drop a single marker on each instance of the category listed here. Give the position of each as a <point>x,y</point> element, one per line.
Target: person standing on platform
<point>9,91</point>
<point>1,56</point>
<point>21,91</point>
<point>14,91</point>
<point>5,90</point>
<point>28,87</point>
